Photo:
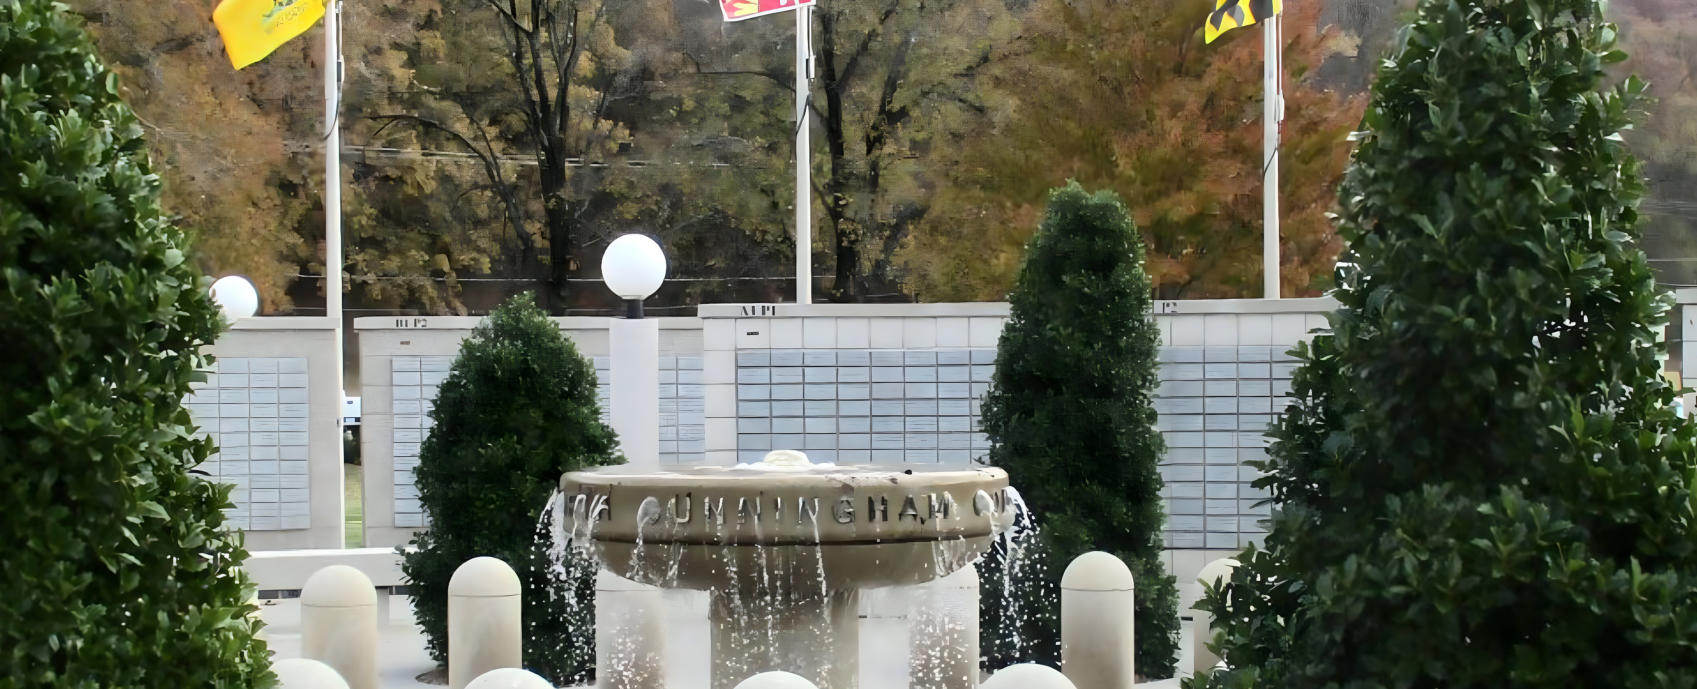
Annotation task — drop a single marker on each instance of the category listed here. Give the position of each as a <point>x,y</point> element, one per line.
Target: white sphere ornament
<point>775,680</point>
<point>236,297</point>
<point>633,267</point>
<point>1028,676</point>
<point>509,678</point>
<point>305,673</point>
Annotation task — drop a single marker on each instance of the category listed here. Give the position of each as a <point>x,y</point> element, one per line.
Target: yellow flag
<point>252,29</point>
<point>1231,14</point>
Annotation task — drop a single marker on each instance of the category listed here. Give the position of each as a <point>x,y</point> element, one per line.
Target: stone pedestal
<point>629,636</point>
<point>815,637</point>
<point>944,634</point>
<point>485,630</point>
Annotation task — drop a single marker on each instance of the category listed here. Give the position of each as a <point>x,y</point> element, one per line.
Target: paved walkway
<point>402,658</point>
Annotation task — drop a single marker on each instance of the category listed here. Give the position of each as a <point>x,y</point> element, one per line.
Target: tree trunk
<point>837,185</point>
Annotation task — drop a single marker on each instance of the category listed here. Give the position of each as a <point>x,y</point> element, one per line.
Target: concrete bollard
<point>1028,676</point>
<point>484,628</point>
<point>306,673</point>
<point>943,652</point>
<point>339,624</point>
<point>629,636</point>
<point>775,680</point>
<point>1215,574</point>
<point>509,678</point>
<point>1098,600</point>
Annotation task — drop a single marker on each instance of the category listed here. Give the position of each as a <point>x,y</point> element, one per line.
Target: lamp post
<point>633,268</point>
<point>235,297</point>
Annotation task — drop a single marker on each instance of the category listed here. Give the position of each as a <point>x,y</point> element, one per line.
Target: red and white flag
<point>738,10</point>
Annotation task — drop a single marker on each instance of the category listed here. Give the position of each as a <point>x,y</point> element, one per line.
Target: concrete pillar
<point>306,673</point>
<point>509,678</point>
<point>1028,676</point>
<point>1214,574</point>
<point>944,636</point>
<point>339,624</point>
<point>817,637</point>
<point>634,391</point>
<point>630,647</point>
<point>775,680</point>
<point>484,628</point>
<point>1097,620</point>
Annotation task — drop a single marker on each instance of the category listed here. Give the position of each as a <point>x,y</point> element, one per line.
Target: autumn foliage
<point>1125,96</point>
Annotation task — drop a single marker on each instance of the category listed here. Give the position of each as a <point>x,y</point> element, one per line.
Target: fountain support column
<point>815,637</point>
<point>629,637</point>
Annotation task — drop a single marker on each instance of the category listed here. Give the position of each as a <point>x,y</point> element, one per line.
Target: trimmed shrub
<point>117,573</point>
<point>516,412</point>
<point>1481,482</point>
<point>1070,412</point>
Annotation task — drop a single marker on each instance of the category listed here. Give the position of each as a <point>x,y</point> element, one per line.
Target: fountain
<point>785,546</point>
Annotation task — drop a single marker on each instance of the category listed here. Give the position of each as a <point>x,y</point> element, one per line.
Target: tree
<point>537,88</point>
<point>235,185</point>
<point>892,77</point>
<point>118,570</point>
<point>1662,37</point>
<point>1070,412</point>
<point>1125,96</point>
<point>1480,482</point>
<point>516,412</point>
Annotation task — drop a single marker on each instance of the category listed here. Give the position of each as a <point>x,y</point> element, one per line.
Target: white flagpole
<point>803,161</point>
<point>333,162</point>
<point>1272,112</point>
<point>333,202</point>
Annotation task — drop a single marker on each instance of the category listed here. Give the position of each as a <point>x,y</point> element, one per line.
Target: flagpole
<point>803,160</point>
<point>1272,103</point>
<point>333,201</point>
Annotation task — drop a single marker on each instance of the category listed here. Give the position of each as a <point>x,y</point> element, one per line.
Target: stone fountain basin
<point>818,528</point>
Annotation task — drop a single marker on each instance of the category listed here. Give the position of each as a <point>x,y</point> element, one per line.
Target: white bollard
<point>509,678</point>
<point>484,628</point>
<point>306,673</point>
<point>1098,600</point>
<point>1214,574</point>
<point>629,647</point>
<point>775,680</point>
<point>1028,676</point>
<point>339,624</point>
<point>943,652</point>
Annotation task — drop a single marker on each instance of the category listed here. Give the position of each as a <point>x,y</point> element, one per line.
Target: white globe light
<point>236,297</point>
<point>633,267</point>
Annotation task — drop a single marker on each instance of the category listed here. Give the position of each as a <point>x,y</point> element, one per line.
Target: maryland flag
<point>253,29</point>
<point>1231,14</point>
<point>738,10</point>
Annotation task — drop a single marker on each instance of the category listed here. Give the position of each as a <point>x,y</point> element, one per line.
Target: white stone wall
<point>904,383</point>
<point>404,359</point>
<point>272,403</point>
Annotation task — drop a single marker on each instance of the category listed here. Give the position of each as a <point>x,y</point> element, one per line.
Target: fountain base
<point>816,637</point>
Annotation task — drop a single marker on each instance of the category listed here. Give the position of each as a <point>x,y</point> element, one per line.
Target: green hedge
<point>1481,482</point>
<point>1070,415</point>
<point>517,411</point>
<point>116,570</point>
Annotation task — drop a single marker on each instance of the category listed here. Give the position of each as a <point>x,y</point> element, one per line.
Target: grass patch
<point>353,510</point>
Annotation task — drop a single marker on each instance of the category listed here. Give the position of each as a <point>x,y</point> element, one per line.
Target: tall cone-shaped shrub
<point>517,410</point>
<point>1480,482</point>
<point>1071,416</point>
<point>116,571</point>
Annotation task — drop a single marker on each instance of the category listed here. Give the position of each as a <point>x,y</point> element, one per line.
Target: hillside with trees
<point>473,171</point>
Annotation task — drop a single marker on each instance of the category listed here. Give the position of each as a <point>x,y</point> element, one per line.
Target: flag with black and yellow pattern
<point>1231,14</point>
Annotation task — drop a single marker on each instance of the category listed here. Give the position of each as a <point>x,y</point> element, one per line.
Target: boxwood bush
<point>517,411</point>
<point>1481,482</point>
<point>116,571</point>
